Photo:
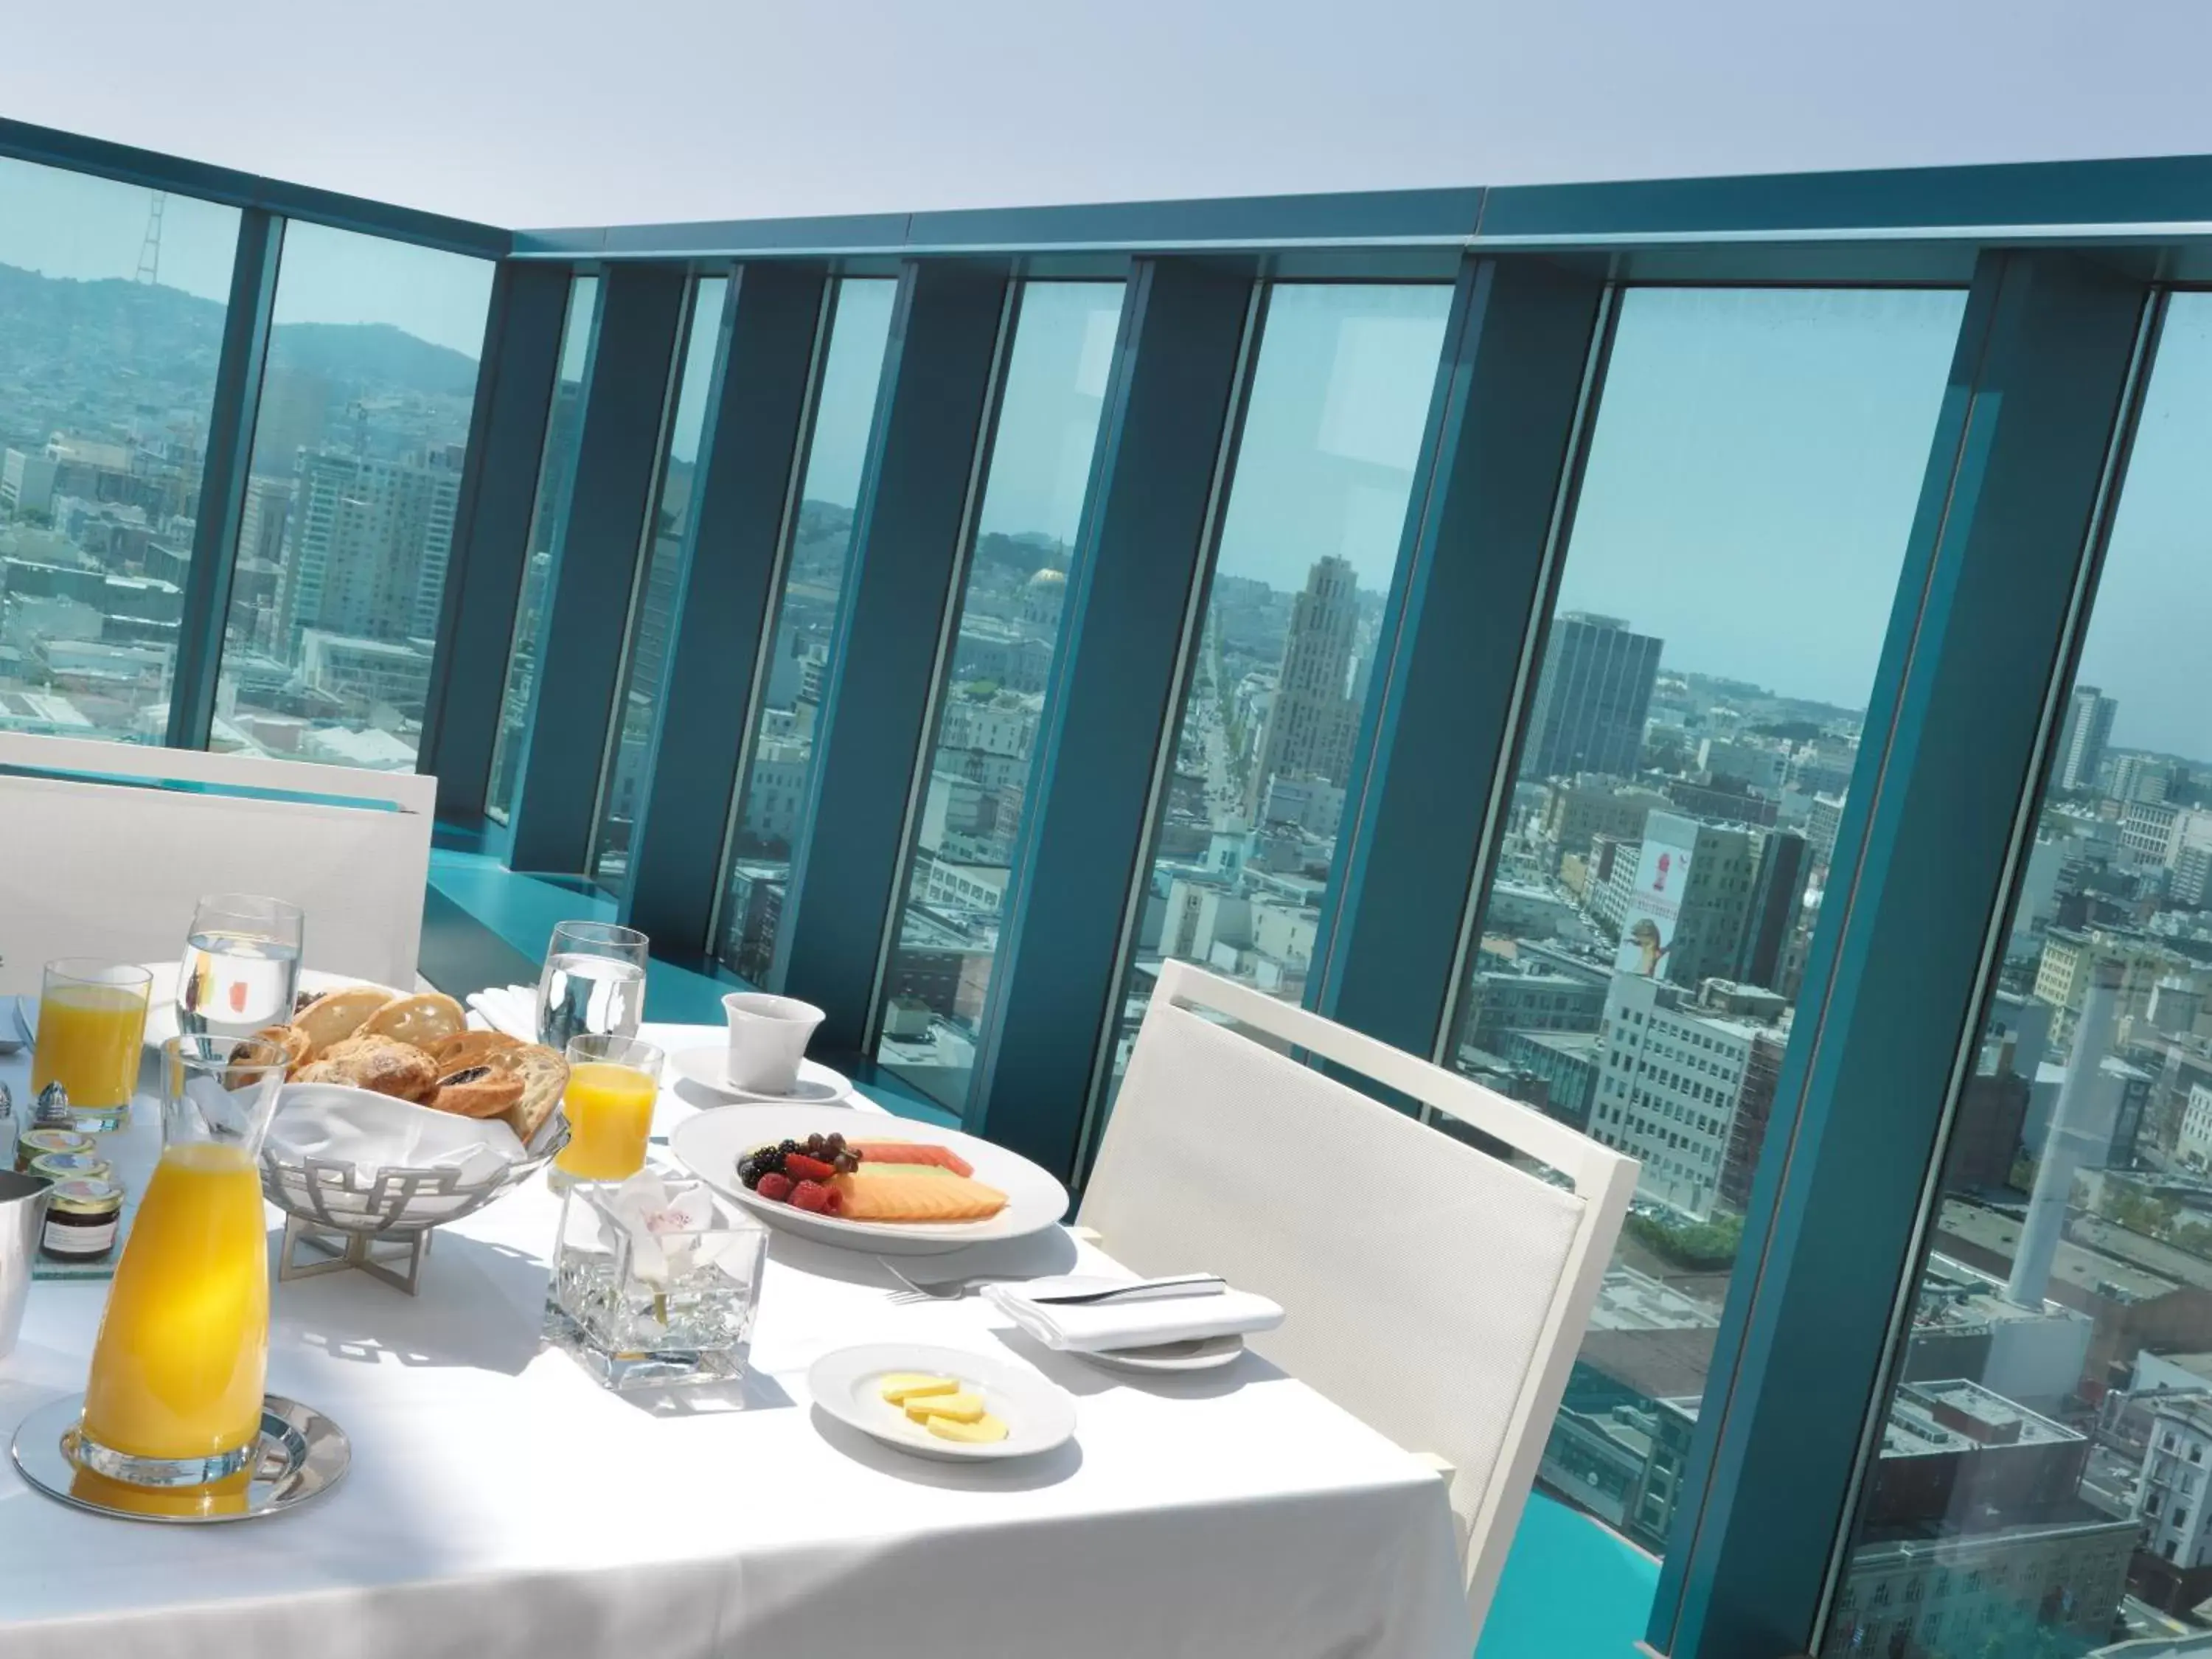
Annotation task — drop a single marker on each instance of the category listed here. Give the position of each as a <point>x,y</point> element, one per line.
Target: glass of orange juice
<point>174,1395</point>
<point>92,1022</point>
<point>613,1082</point>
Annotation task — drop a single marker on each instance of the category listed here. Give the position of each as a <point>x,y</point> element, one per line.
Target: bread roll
<point>422,1021</point>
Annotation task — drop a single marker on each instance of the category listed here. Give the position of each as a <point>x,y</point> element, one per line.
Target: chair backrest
<point>105,848</point>
<point>1433,1291</point>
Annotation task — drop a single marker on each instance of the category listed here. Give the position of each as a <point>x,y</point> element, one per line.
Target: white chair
<point>105,848</point>
<point>1434,1291</point>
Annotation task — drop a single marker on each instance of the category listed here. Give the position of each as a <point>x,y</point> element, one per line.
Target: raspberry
<point>836,1204</point>
<point>812,1195</point>
<point>775,1185</point>
<point>800,1167</point>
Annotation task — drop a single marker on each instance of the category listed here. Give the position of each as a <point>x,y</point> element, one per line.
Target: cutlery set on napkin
<point>1082,1314</point>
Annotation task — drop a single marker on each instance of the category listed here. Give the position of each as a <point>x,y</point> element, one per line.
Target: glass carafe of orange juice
<point>174,1397</point>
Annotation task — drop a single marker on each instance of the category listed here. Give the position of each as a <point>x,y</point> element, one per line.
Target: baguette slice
<point>545,1076</point>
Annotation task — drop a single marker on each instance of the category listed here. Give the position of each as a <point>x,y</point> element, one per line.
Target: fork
<point>940,1290</point>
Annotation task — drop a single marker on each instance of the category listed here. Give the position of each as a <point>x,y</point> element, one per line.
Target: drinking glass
<point>593,983</point>
<point>242,967</point>
<point>613,1082</point>
<point>92,1026</point>
<point>174,1394</point>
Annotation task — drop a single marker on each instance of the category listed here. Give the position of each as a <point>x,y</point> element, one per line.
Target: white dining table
<point>501,1502</point>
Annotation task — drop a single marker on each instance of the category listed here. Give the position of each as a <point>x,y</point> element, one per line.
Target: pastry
<point>335,1016</point>
<point>422,1020</point>
<point>544,1075</point>
<point>379,1063</point>
<point>293,1040</point>
<point>468,1049</point>
<point>476,1092</point>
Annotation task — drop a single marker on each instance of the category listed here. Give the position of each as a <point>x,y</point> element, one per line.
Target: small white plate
<point>711,1144</point>
<point>817,1084</point>
<point>1200,1353</point>
<point>1039,1415</point>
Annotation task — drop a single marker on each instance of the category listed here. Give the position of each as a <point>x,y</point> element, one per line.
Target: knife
<point>1142,1290</point>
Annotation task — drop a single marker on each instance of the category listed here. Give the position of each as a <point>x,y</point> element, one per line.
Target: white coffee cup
<point>768,1038</point>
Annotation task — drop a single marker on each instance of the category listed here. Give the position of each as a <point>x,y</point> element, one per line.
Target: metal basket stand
<point>310,1250</point>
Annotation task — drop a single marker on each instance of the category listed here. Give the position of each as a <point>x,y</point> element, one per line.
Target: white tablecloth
<point>500,1502</point>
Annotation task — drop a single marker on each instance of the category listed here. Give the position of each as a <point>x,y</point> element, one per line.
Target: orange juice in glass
<point>174,1395</point>
<point>92,1022</point>
<point>613,1082</point>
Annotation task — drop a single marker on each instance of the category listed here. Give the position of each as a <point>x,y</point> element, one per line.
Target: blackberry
<point>750,1173</point>
<point>790,1146</point>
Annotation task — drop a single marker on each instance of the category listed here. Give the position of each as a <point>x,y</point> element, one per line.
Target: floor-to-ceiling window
<point>653,606</point>
<point>1688,738</point>
<point>773,792</point>
<point>1011,608</point>
<point>556,471</point>
<point>348,524</point>
<point>112,305</point>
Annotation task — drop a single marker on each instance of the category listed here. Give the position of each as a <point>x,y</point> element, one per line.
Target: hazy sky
<point>2148,633</point>
<point>542,113</point>
<point>64,224</point>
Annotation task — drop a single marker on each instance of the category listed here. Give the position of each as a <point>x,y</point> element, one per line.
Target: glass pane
<point>556,471</point>
<point>112,303</point>
<point>1750,487</point>
<point>348,520</point>
<point>652,607</point>
<point>2042,1485</point>
<point>780,777</point>
<point>1309,544</point>
<point>940,972</point>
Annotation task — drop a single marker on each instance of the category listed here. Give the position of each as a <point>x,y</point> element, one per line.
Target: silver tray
<point>302,1455</point>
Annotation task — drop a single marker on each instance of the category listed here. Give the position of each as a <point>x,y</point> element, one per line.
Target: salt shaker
<point>7,1128</point>
<point>52,1111</point>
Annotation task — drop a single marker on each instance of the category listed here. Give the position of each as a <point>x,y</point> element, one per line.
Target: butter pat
<point>960,1408</point>
<point>984,1430</point>
<point>902,1385</point>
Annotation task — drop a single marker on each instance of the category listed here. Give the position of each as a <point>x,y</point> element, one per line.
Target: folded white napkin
<point>373,1132</point>
<point>509,1008</point>
<point>1103,1326</point>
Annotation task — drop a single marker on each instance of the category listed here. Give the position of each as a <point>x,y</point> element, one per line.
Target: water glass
<point>242,967</point>
<point>593,984</point>
<point>92,1026</point>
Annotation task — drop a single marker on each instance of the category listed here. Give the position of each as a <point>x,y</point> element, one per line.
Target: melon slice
<point>892,1192</point>
<point>911,1151</point>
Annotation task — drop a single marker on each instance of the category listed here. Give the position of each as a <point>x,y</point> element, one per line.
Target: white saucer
<point>817,1084</point>
<point>1039,1414</point>
<point>1199,1354</point>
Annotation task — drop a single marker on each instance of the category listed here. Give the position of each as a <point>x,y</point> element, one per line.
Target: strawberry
<point>800,1167</point>
<point>775,1185</point>
<point>812,1195</point>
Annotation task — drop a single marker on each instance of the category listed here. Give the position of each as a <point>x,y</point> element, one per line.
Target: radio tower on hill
<point>150,252</point>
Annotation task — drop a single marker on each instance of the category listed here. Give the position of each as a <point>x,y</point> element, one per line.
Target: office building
<point>366,548</point>
<point>1674,1076</point>
<point>1592,698</point>
<point>1310,725</point>
<point>2082,738</point>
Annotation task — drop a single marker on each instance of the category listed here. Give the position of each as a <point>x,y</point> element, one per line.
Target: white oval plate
<point>1039,1415</point>
<point>1200,1353</point>
<point>712,1143</point>
<point>817,1084</point>
<point>161,1008</point>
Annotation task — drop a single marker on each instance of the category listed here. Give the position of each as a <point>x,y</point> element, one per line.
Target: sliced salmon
<point>911,1151</point>
<point>894,1192</point>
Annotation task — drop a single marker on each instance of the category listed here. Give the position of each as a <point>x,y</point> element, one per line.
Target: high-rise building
<point>1309,726</point>
<point>1777,892</point>
<point>1591,698</point>
<point>367,547</point>
<point>2082,738</point>
<point>1672,1080</point>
